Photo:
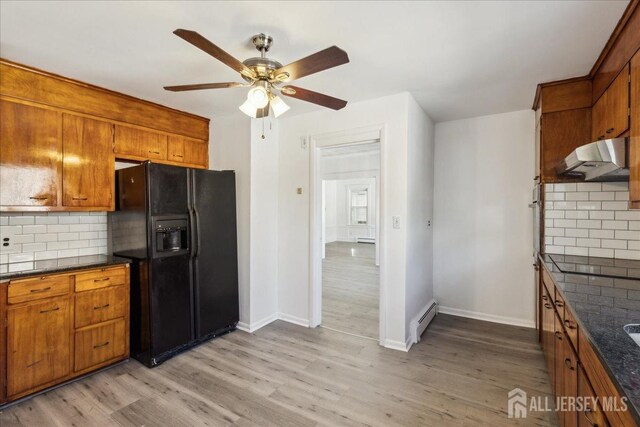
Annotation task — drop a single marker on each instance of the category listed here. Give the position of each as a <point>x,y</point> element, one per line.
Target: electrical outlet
<point>303,142</point>
<point>428,223</point>
<point>396,222</point>
<point>299,190</point>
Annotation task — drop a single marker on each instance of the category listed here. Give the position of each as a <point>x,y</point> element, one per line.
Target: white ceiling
<point>458,59</point>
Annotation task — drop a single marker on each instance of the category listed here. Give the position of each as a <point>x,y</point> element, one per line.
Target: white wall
<point>484,169</point>
<point>230,149</point>
<point>420,172</point>
<point>264,222</point>
<point>392,112</point>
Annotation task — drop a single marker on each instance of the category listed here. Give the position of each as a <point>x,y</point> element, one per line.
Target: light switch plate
<point>396,222</point>
<point>299,190</point>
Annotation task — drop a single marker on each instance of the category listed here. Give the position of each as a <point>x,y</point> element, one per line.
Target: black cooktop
<point>594,266</point>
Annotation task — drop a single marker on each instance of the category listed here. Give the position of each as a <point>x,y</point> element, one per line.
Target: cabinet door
<point>175,149</point>
<point>598,118</point>
<point>547,332</point>
<point>196,153</point>
<point>591,413</point>
<point>569,381</point>
<point>30,155</point>
<point>140,144</point>
<point>634,147</point>
<point>38,344</point>
<point>88,163</point>
<point>559,367</point>
<point>617,105</point>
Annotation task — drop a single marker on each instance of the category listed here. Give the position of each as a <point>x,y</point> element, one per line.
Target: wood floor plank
<point>351,289</point>
<point>287,375</point>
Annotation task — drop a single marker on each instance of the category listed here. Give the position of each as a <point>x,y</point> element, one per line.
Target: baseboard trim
<point>243,327</point>
<point>257,325</point>
<point>294,319</point>
<point>487,317</point>
<point>399,345</point>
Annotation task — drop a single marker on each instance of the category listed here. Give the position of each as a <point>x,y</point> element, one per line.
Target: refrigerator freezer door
<point>168,190</point>
<point>216,256</point>
<point>170,304</point>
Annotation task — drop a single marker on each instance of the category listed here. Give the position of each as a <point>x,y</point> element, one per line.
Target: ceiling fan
<point>265,76</point>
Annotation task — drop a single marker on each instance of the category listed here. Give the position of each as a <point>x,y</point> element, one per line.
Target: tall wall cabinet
<point>59,139</point>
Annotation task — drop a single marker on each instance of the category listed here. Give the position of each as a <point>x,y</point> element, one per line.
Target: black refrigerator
<point>178,225</point>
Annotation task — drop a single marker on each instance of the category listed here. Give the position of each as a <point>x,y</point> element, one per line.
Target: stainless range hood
<point>604,160</point>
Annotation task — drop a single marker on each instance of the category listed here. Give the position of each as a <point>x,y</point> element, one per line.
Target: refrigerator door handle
<point>197,243</point>
<point>192,230</point>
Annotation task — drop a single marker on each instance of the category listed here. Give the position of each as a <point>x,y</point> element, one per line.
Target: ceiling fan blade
<point>319,61</point>
<point>202,43</point>
<point>204,86</point>
<point>313,97</point>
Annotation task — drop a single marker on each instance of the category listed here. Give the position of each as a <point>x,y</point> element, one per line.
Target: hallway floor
<point>351,289</point>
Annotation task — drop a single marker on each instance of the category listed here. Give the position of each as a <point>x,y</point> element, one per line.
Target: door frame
<point>316,143</point>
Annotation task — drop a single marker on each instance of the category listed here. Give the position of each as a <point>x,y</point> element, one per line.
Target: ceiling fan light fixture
<point>249,109</point>
<point>258,97</point>
<point>278,106</point>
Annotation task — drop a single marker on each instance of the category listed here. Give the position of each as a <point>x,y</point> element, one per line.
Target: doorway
<point>350,272</point>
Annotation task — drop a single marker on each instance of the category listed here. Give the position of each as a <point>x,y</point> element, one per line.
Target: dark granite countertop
<point>24,269</point>
<point>604,296</point>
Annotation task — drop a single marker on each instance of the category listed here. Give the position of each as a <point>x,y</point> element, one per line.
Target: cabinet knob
<point>154,152</point>
<point>177,155</point>
<point>38,198</point>
<point>79,198</point>
<point>610,130</point>
<point>569,324</point>
<point>547,305</point>
<point>567,363</point>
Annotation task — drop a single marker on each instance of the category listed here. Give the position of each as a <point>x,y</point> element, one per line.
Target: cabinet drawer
<point>548,283</point>
<point>559,303</point>
<point>591,414</point>
<point>99,344</point>
<point>100,305</point>
<point>571,327</point>
<point>97,279</point>
<point>37,288</point>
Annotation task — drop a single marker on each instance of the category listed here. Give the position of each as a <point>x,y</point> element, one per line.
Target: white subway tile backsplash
<point>613,244</point>
<point>564,241</point>
<point>578,232</point>
<point>564,188</point>
<point>564,223</point>
<point>628,235</point>
<point>591,219</point>
<point>564,205</point>
<point>601,215</point>
<point>47,235</point>
<point>589,205</point>
<point>571,250</point>
<point>589,223</point>
<point>628,215</point>
<point>600,234</point>
<point>602,195</point>
<point>22,220</point>
<point>602,253</point>
<point>615,225</point>
<point>615,206</point>
<point>576,214</point>
<point>588,243</point>
<point>583,195</point>
<point>589,186</point>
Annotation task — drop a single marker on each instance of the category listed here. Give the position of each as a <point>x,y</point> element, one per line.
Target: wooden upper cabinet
<point>38,344</point>
<point>30,155</point>
<point>561,133</point>
<point>88,163</point>
<point>191,152</point>
<point>610,117</point>
<point>138,144</point>
<point>634,133</point>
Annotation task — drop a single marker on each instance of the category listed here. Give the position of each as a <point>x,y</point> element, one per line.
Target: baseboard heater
<point>365,240</point>
<point>420,323</point>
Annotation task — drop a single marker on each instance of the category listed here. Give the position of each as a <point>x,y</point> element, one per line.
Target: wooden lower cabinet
<point>56,332</point>
<point>574,369</point>
<point>38,344</point>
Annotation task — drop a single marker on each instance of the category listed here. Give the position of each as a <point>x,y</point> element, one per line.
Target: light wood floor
<point>287,375</point>
<point>351,289</point>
